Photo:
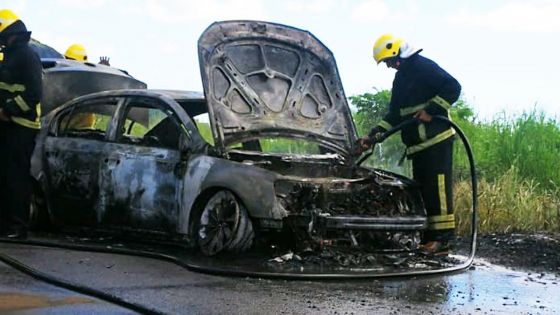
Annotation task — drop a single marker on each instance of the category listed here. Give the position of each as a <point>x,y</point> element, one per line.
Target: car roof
<point>192,102</point>
<point>177,95</point>
<point>180,95</point>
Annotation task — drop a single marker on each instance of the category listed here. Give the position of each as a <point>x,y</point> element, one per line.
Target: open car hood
<point>263,79</point>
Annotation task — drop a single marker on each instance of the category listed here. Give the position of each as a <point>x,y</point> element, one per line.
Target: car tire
<point>224,226</point>
<point>244,235</point>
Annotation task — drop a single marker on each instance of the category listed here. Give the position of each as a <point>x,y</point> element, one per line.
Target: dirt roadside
<point>539,252</point>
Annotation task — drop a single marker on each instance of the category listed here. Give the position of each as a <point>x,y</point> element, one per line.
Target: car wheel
<point>38,212</point>
<point>224,225</point>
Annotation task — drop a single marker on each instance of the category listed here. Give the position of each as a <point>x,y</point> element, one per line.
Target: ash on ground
<point>344,258</point>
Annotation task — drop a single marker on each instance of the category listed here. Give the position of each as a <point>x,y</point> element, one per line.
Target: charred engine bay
<point>325,186</point>
<point>332,206</point>
<point>366,196</point>
<point>324,183</point>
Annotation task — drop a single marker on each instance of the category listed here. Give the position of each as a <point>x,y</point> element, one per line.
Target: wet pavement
<point>484,289</point>
<point>330,262</point>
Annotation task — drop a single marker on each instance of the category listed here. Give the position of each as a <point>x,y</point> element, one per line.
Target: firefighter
<point>420,90</point>
<point>80,121</point>
<point>78,52</point>
<point>20,111</point>
<point>83,120</point>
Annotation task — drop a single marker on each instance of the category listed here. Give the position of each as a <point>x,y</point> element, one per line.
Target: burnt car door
<point>140,172</point>
<point>73,152</point>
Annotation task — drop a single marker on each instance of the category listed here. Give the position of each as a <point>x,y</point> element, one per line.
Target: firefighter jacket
<point>21,85</point>
<point>420,84</point>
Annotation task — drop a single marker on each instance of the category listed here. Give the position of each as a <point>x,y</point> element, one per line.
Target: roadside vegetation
<point>516,160</point>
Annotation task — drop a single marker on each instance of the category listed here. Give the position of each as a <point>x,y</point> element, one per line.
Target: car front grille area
<point>354,197</point>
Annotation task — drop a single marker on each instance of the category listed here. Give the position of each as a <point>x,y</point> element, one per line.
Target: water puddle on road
<point>486,287</point>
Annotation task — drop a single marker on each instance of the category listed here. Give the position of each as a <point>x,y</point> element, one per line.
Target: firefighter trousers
<point>433,169</point>
<point>16,147</point>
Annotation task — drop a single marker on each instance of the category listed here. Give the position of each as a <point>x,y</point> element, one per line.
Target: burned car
<point>275,155</point>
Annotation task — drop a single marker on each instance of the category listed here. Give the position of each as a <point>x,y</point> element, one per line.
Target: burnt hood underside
<point>265,79</point>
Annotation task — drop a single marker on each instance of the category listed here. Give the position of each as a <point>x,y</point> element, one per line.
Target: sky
<point>504,53</point>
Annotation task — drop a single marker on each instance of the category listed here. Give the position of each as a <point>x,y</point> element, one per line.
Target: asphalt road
<point>485,289</point>
<point>21,294</point>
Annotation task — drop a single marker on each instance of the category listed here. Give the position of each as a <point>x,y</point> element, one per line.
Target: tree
<point>371,109</point>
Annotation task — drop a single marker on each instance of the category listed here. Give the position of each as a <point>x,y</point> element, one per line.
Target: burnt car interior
<point>90,120</point>
<point>148,123</point>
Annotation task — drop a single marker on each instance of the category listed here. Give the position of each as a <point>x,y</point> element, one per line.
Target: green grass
<point>530,143</point>
<point>270,145</point>
<point>518,170</point>
<point>285,145</point>
<point>205,131</point>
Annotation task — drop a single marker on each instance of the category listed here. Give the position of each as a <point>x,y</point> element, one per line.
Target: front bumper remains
<point>413,223</point>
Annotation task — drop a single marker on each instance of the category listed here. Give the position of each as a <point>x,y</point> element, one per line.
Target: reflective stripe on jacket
<point>21,85</point>
<point>421,84</point>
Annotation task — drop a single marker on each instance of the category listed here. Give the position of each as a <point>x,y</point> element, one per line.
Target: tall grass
<point>530,143</point>
<point>508,203</point>
<point>518,171</point>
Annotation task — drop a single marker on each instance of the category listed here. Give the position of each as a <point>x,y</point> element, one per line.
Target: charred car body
<point>143,165</point>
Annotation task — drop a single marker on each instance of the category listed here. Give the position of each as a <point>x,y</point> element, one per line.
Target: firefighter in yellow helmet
<point>83,120</point>
<point>76,52</point>
<point>20,112</point>
<point>420,90</point>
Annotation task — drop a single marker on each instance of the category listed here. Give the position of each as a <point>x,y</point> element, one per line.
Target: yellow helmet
<point>82,121</point>
<point>76,52</point>
<point>386,46</point>
<point>7,18</point>
<point>1,56</point>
